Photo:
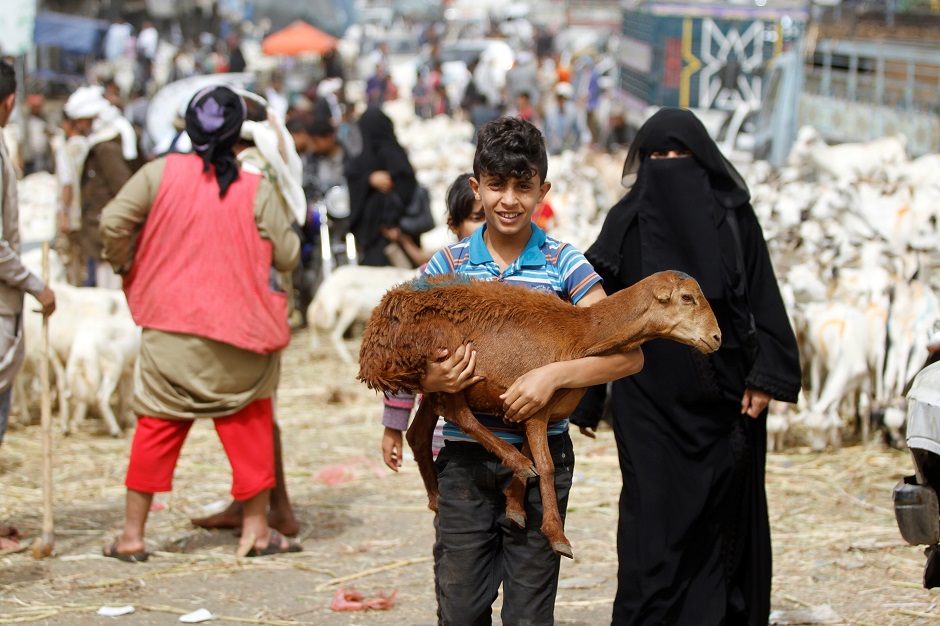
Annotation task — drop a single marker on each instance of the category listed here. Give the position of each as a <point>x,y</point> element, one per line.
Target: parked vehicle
<point>916,505</point>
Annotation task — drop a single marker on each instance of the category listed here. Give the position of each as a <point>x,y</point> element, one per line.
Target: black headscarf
<point>679,202</point>
<point>213,121</point>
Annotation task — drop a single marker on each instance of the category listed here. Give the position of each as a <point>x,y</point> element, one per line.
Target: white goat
<point>101,362</point>
<point>835,339</point>
<point>778,423</point>
<point>847,162</point>
<point>73,304</point>
<point>348,296</point>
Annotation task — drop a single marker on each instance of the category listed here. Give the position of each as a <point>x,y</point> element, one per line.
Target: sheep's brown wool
<point>515,330</point>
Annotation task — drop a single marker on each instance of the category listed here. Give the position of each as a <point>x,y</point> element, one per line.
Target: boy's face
<point>508,204</point>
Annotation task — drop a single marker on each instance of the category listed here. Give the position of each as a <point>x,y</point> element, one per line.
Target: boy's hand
<point>391,448</point>
<point>754,402</point>
<point>587,431</point>
<point>529,393</point>
<point>451,373</point>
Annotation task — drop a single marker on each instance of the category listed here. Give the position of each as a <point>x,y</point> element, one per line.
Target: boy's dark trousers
<point>481,548</point>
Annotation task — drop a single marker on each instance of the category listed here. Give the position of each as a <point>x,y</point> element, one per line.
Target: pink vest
<point>201,267</point>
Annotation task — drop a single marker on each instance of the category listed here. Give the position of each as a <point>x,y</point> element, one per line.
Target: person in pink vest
<point>199,244</point>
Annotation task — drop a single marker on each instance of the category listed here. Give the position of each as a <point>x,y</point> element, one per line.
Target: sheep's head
<point>684,312</point>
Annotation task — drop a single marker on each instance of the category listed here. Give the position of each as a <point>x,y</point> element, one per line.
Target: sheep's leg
<point>19,399</point>
<point>125,396</point>
<point>81,410</point>
<point>515,495</point>
<point>345,320</point>
<point>61,388</point>
<point>105,391</point>
<point>536,430</point>
<point>419,437</point>
<point>459,412</point>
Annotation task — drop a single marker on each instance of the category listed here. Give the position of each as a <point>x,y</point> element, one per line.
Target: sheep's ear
<point>663,293</point>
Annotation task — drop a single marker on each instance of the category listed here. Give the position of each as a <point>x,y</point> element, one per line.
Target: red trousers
<point>247,436</point>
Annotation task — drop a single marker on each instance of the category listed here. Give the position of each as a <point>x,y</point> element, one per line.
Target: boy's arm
<point>531,391</point>
<point>392,448</point>
<point>395,419</point>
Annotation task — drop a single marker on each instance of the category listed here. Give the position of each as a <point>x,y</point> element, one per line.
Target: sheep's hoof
<point>517,518</point>
<point>563,549</point>
<point>527,472</point>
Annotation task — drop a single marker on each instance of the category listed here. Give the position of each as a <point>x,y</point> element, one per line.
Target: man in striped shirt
<point>480,548</point>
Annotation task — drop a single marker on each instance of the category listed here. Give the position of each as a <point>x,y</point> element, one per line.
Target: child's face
<point>508,204</point>
<point>473,221</point>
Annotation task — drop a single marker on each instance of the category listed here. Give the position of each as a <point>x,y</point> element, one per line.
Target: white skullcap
<point>86,103</point>
<point>328,86</point>
<point>565,90</point>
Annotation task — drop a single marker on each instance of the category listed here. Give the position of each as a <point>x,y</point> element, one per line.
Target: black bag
<point>417,218</point>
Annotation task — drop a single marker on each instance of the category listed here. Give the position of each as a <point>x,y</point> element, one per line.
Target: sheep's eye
<point>687,298</point>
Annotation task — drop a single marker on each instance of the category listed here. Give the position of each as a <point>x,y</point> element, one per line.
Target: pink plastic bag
<point>352,600</point>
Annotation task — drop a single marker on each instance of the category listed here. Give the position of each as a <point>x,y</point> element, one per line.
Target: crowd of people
<point>564,95</point>
<point>243,171</point>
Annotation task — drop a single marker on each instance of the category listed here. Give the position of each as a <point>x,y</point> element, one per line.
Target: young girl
<point>464,216</point>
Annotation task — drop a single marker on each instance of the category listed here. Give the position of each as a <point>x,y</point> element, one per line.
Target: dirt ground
<point>835,539</point>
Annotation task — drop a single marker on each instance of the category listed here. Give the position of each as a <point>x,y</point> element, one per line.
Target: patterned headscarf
<point>213,121</point>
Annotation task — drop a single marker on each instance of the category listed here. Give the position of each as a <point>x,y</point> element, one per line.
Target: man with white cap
<point>15,279</point>
<point>104,172</point>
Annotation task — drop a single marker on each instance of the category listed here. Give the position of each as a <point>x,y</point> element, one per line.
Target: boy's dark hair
<point>321,127</point>
<point>7,78</point>
<point>459,201</point>
<point>510,147</point>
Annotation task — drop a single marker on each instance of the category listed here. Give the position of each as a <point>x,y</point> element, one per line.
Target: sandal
<point>128,557</point>
<point>274,546</point>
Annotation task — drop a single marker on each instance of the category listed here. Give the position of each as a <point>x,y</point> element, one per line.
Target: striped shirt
<point>545,264</point>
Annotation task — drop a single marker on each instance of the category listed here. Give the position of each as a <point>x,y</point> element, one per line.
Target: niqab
<point>678,202</point>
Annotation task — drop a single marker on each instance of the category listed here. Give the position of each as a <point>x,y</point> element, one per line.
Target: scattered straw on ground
<point>835,539</point>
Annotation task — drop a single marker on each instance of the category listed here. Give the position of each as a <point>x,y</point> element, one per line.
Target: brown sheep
<point>515,330</point>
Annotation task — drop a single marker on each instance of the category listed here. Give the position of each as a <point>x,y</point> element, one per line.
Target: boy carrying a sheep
<point>480,548</point>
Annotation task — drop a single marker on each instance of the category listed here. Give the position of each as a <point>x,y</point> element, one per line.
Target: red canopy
<point>298,38</point>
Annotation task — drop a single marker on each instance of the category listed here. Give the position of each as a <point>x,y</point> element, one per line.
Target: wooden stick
<point>45,545</point>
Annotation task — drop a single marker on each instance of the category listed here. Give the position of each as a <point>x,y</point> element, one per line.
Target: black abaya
<point>693,536</point>
<point>371,209</point>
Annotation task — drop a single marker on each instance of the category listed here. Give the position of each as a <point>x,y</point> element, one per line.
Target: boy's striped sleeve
<point>576,272</point>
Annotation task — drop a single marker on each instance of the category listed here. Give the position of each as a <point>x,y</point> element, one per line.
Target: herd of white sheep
<point>853,230</point>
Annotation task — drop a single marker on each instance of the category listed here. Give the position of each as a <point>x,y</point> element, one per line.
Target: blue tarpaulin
<point>69,32</point>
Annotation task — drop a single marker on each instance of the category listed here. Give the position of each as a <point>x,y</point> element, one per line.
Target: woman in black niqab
<point>370,207</point>
<point>693,536</point>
